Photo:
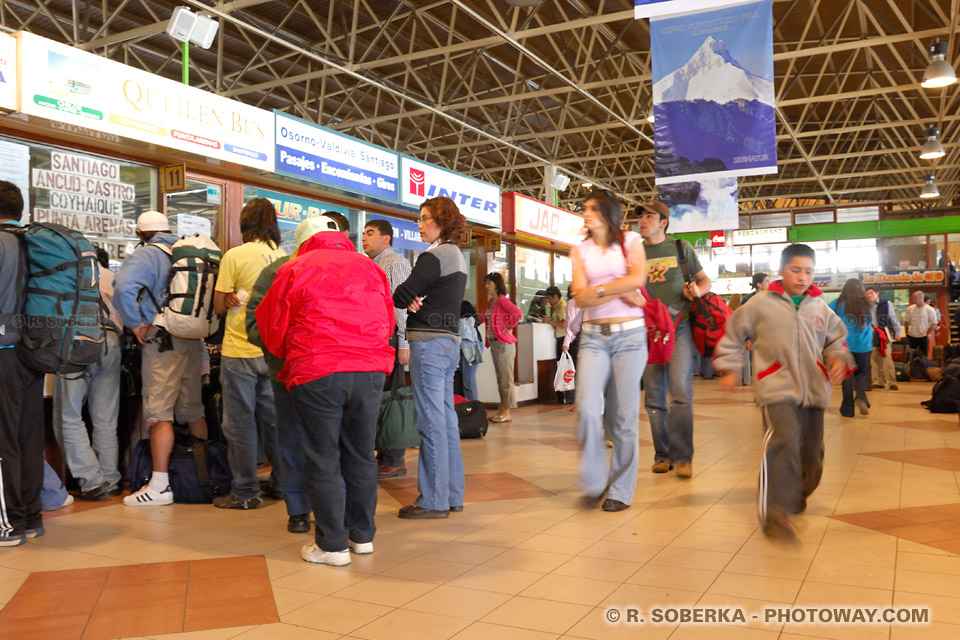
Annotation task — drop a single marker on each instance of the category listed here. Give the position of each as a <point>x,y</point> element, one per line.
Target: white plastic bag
<point>566,372</point>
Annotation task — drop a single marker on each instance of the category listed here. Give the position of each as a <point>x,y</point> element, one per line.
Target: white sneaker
<point>67,502</point>
<point>361,548</point>
<point>312,553</point>
<point>147,497</point>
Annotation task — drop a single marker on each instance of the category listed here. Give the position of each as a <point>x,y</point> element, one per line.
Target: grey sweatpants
<point>792,458</point>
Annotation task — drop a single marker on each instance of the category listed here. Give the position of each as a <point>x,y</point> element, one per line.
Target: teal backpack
<point>60,310</point>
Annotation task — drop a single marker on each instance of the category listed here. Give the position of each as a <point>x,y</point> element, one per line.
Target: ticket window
<point>196,209</point>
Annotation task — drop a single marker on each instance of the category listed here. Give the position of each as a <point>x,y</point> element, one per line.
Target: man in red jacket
<point>329,314</point>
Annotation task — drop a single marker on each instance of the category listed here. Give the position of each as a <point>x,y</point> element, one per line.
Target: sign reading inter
<point>478,201</point>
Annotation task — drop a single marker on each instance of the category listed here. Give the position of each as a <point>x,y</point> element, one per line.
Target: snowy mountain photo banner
<point>659,8</point>
<point>701,205</point>
<point>713,98</point>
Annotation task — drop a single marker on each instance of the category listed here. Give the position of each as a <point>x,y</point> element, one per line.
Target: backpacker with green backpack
<point>60,313</point>
<point>188,310</point>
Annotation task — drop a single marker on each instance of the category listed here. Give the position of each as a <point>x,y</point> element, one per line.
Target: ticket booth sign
<point>531,217</point>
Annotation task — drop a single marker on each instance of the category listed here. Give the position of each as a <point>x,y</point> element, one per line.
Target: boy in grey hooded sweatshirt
<point>799,348</point>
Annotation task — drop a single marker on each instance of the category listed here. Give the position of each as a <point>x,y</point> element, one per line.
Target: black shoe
<point>299,524</point>
<point>614,505</point>
<point>413,512</point>
<point>456,509</point>
<point>230,501</point>
<point>269,490</point>
<point>94,494</point>
<point>116,490</point>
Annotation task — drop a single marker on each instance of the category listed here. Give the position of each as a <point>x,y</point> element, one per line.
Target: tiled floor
<point>523,560</point>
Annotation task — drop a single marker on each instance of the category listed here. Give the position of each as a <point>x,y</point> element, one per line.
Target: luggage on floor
<point>944,397</point>
<point>396,423</point>
<point>901,371</point>
<point>471,416</point>
<point>199,471</point>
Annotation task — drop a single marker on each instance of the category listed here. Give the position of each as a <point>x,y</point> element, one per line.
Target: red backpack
<point>708,313</point>
<point>661,330</point>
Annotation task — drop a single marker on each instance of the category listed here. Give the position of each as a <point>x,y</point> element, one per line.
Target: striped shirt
<point>398,270</point>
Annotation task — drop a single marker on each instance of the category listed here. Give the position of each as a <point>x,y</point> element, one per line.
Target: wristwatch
<point>600,291</point>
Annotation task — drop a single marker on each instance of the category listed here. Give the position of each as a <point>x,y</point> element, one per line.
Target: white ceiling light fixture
<point>932,149</point>
<point>940,73</point>
<point>929,190</point>
<point>560,181</point>
<point>198,29</point>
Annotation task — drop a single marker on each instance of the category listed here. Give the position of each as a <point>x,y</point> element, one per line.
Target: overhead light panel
<point>560,181</point>
<point>198,29</point>
<point>940,73</point>
<point>929,190</point>
<point>932,149</point>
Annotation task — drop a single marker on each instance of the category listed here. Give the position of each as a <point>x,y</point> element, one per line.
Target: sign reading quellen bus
<point>69,85</point>
<point>8,72</point>
<point>542,220</point>
<point>478,201</point>
<point>305,150</point>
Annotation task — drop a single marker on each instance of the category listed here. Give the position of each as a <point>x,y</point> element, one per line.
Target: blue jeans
<point>432,365</point>
<point>672,429</point>
<point>469,373</point>
<point>53,493</point>
<point>291,450</point>
<point>249,419</point>
<point>621,356</point>
<point>337,429</point>
<point>100,387</point>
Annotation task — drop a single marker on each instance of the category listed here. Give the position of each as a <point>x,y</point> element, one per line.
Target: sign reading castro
<point>75,87</point>
<point>478,201</point>
<point>311,152</point>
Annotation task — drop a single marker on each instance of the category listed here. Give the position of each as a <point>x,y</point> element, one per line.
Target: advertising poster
<point>701,205</point>
<point>478,201</point>
<point>713,96</point>
<point>75,87</point>
<point>8,72</point>
<point>311,152</point>
<point>656,8</point>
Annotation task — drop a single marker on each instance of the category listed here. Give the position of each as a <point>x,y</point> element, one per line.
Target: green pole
<point>185,65</point>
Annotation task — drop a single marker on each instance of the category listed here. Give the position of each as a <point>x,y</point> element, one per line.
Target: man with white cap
<point>291,451</point>
<point>171,365</point>
<point>329,314</point>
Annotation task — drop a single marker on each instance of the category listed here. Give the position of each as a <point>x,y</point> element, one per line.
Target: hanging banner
<point>658,8</point>
<point>478,201</point>
<point>311,152</point>
<point>701,205</point>
<point>538,219</point>
<point>713,97</point>
<point>8,72</point>
<point>72,86</point>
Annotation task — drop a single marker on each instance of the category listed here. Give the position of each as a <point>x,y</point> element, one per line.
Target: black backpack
<point>945,396</point>
<point>471,418</point>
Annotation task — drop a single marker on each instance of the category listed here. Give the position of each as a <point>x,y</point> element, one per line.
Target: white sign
<point>725,286</point>
<point>15,168</point>
<point>188,225</point>
<point>542,220</point>
<point>8,72</point>
<point>478,201</point>
<point>760,236</point>
<point>105,225</point>
<point>659,8</point>
<point>73,86</point>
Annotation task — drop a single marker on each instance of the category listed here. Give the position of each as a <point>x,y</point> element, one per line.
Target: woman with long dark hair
<point>432,296</point>
<point>501,316</point>
<point>854,309</point>
<point>608,269</point>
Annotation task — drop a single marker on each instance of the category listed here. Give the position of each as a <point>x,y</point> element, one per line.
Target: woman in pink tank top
<point>608,269</point>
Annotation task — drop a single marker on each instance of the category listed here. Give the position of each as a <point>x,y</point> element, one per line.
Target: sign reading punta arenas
<point>478,201</point>
<point>311,152</point>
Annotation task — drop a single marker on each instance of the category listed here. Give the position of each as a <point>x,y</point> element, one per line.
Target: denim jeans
<point>622,357</point>
<point>293,484</point>
<point>100,387</point>
<point>857,382</point>
<point>337,428</point>
<point>432,365</point>
<point>53,493</point>
<point>249,419</point>
<point>469,372</point>
<point>672,429</point>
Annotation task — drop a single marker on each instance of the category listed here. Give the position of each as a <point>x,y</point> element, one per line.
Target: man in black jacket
<point>885,319</point>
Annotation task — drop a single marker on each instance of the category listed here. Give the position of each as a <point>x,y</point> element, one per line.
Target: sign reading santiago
<point>311,152</point>
<point>478,201</point>
<point>76,87</point>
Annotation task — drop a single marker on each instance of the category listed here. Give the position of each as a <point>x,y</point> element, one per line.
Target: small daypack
<point>708,313</point>
<point>661,329</point>
<point>944,397</point>
<point>188,310</point>
<point>61,314</point>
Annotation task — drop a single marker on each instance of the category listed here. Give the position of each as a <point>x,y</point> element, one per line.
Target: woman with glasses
<point>501,316</point>
<point>432,296</point>
<point>608,269</point>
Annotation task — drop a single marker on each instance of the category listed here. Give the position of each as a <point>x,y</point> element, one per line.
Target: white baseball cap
<point>307,228</point>
<point>152,221</point>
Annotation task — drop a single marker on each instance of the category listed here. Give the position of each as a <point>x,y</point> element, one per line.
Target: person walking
<point>854,310</point>
<point>882,370</point>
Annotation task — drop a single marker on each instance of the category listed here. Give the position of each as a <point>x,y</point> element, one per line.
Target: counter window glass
<point>499,262</point>
<point>470,258</point>
<point>562,273</point>
<point>98,196</point>
<point>766,257</point>
<point>859,255</point>
<point>533,277</point>
<point>826,256</point>
<point>732,262</point>
<point>196,209</point>
<point>938,250</point>
<point>292,209</point>
<point>901,254</point>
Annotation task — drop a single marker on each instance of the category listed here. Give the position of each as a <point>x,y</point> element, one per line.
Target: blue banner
<point>291,209</point>
<point>713,97</point>
<point>406,233</point>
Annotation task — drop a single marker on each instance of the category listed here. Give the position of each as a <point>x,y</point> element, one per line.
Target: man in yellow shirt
<point>248,409</point>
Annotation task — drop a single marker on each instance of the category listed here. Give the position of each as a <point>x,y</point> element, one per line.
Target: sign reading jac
<point>542,220</point>
<point>478,201</point>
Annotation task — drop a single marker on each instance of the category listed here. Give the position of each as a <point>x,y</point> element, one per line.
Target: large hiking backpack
<point>944,397</point>
<point>61,314</point>
<point>708,313</point>
<point>188,310</point>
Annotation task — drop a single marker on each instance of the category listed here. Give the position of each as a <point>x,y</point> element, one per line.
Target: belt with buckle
<point>607,329</point>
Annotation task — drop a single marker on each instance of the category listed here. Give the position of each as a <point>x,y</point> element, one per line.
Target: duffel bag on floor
<point>472,418</point>
<point>944,397</point>
<point>198,473</point>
